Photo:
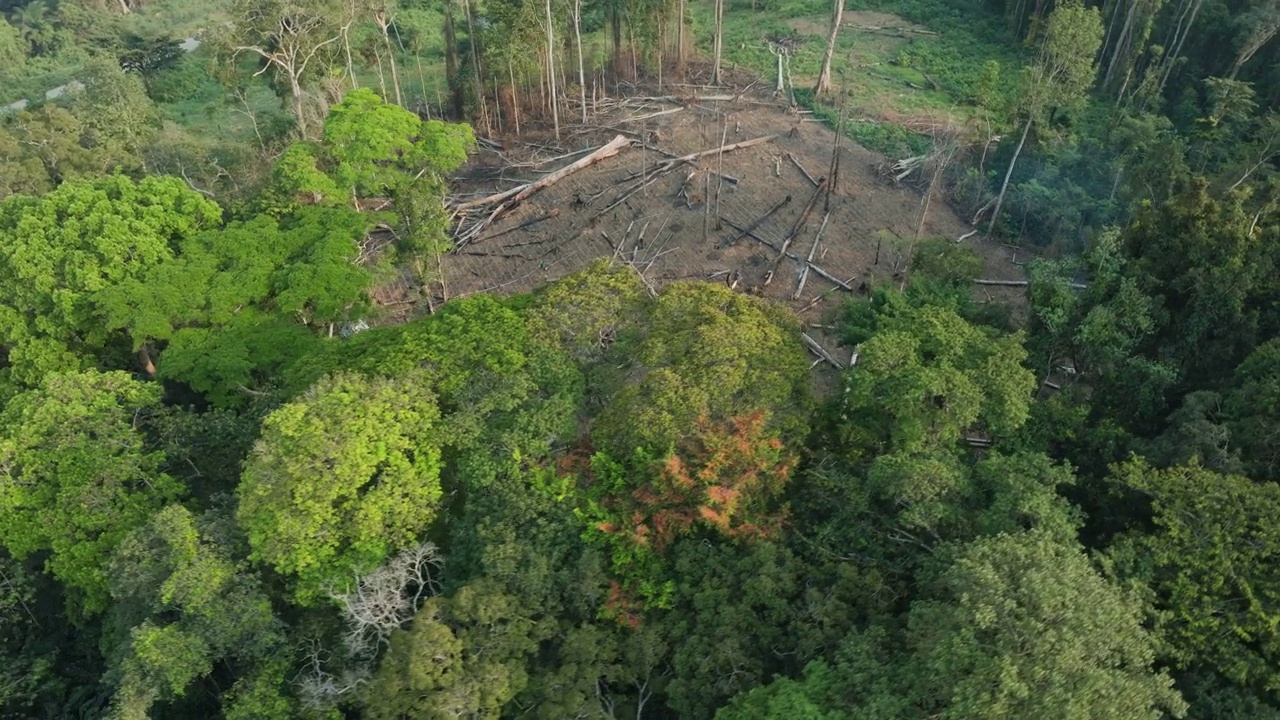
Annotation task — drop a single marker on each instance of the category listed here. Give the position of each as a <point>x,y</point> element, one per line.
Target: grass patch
<point>884,80</point>
<point>178,19</point>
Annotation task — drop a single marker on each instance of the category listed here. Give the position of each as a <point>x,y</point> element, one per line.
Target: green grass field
<point>888,83</point>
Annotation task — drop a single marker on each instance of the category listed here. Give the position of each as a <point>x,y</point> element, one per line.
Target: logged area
<point>670,203</point>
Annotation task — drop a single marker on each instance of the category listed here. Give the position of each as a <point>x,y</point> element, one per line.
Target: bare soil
<point>672,230</point>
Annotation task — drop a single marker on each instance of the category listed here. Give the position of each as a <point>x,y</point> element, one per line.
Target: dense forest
<point>232,484</point>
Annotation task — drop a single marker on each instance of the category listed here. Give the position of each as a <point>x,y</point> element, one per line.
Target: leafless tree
<point>382,601</point>
<point>824,77</point>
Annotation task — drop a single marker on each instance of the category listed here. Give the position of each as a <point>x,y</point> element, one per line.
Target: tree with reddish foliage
<point>725,477</point>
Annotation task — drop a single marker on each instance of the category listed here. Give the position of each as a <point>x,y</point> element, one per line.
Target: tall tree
<point>717,41</point>
<point>1017,625</point>
<point>824,75</point>
<point>183,604</point>
<point>1207,557</point>
<point>1260,25</point>
<point>78,475</point>
<point>1059,80</point>
<point>288,35</point>
<point>465,656</point>
<point>61,251</point>
<point>341,478</point>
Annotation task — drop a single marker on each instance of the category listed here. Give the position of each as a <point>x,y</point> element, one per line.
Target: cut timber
<point>726,148</point>
<point>800,167</point>
<point>1003,283</point>
<point>891,29</point>
<point>638,118</point>
<point>555,212</point>
<point>520,193</point>
<point>671,164</point>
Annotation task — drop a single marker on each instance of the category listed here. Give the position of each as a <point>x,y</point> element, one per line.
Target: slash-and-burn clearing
<point>722,185</point>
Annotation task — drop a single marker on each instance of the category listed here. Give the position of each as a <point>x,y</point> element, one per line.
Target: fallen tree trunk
<point>804,272</point>
<point>800,167</point>
<point>726,148</point>
<point>795,230</point>
<point>760,221</point>
<point>840,283</point>
<point>670,165</point>
<point>820,351</point>
<point>1023,283</point>
<point>522,192</point>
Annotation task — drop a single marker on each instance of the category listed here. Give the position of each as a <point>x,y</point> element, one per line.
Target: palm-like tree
<point>34,22</point>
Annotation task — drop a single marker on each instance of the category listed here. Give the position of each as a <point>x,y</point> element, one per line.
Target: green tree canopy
<point>341,478</point>
<point>706,352</point>
<point>1208,560</point>
<point>59,252</point>
<point>1015,625</point>
<point>464,656</point>
<point>78,474</point>
<point>925,376</point>
<point>1253,405</point>
<point>182,604</point>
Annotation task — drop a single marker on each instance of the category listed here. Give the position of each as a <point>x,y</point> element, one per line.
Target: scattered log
<point>760,221</point>
<point>891,29</point>
<point>804,272</point>
<point>800,167</point>
<point>555,212</point>
<point>795,230</point>
<point>820,351</point>
<point>671,164</point>
<point>817,299</point>
<point>638,118</point>
<point>513,256</point>
<point>816,268</point>
<point>522,192</point>
<point>966,236</point>
<point>722,149</point>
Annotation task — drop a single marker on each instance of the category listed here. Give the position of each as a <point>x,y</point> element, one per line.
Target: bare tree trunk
<point>474,41</point>
<point>1260,36</point>
<point>295,87</point>
<point>384,24</point>
<point>1172,58</point>
<point>1004,187</point>
<point>718,42</point>
<point>1122,43</point>
<point>382,79</point>
<point>680,58</point>
<point>615,29</point>
<point>824,77</point>
<point>346,46</point>
<point>515,98</point>
<point>582,75</point>
<point>551,70</point>
<point>451,59</point>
